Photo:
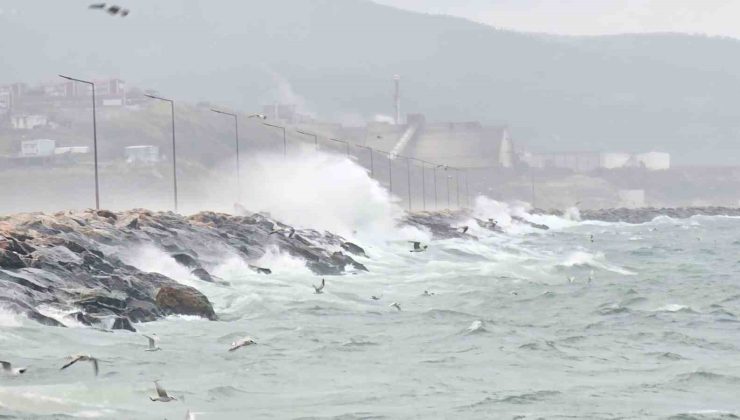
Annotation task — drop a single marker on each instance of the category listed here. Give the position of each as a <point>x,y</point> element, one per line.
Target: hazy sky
<point>590,17</point>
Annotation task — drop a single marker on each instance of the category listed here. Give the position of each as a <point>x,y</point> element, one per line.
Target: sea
<point>586,320</point>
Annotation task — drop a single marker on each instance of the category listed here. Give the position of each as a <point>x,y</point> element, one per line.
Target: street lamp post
<point>408,179</point>
<point>467,190</point>
<point>174,148</point>
<point>236,138</point>
<point>315,137</point>
<point>423,184</point>
<point>448,188</point>
<point>285,141</point>
<point>346,145</point>
<point>95,138</point>
<point>457,186</point>
<point>372,169</point>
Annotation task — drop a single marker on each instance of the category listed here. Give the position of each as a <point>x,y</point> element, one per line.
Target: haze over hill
<point>335,58</point>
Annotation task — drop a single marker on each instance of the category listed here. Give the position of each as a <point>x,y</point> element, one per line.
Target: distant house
<point>28,122</point>
<point>144,154</point>
<point>38,148</point>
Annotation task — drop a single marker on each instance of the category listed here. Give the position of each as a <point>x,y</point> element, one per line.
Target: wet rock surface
<point>72,261</point>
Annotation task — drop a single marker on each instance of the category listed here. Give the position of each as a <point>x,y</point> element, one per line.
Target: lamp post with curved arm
<point>174,147</point>
<point>95,137</point>
<point>315,137</point>
<point>285,140</point>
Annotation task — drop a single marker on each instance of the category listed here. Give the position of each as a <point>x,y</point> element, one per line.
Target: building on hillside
<point>28,122</point>
<point>142,155</point>
<point>37,148</point>
<point>466,144</point>
<point>590,161</point>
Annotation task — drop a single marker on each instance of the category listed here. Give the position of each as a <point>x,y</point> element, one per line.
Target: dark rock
<point>532,224</point>
<point>186,260</point>
<point>10,260</point>
<point>107,214</point>
<point>100,304</point>
<point>122,323</point>
<point>344,260</point>
<point>202,274</point>
<point>260,270</point>
<point>184,300</point>
<point>81,318</point>
<point>353,249</point>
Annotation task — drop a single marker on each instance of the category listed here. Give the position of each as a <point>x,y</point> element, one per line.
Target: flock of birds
<point>153,345</point>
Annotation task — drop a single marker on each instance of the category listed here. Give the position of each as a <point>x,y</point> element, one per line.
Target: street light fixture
<point>95,138</point>
<point>285,141</point>
<point>315,137</point>
<point>236,137</point>
<point>174,148</point>
<point>423,183</point>
<point>346,145</point>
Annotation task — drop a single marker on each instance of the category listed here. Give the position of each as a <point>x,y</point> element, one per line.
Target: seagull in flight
<point>97,6</point>
<point>82,358</point>
<point>373,297</point>
<point>418,247</point>
<point>395,305</point>
<point>320,289</point>
<point>463,229</point>
<point>8,368</point>
<point>427,293</point>
<point>161,394</point>
<point>153,342</point>
<point>246,341</point>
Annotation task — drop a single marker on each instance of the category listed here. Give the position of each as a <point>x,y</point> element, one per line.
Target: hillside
<point>336,59</point>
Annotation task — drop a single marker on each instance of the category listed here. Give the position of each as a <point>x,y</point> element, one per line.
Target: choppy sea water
<point>514,329</point>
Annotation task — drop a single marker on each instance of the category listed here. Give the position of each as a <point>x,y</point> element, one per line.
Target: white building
<point>654,161</point>
<point>38,148</point>
<point>28,122</point>
<point>144,154</point>
<point>614,160</point>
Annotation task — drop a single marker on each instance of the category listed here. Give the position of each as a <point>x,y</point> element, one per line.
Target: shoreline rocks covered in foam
<point>72,262</point>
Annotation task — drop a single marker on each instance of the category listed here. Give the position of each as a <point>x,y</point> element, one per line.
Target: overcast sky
<point>591,17</point>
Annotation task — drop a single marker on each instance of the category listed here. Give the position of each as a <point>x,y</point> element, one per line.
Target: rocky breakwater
<point>68,266</point>
<point>647,214</point>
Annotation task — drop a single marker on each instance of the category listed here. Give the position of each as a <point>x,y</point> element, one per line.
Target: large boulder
<point>9,260</point>
<point>184,300</point>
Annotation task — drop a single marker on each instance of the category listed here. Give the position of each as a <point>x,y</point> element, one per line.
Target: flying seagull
<point>153,341</point>
<point>8,368</point>
<point>97,6</point>
<point>395,305</point>
<point>418,247</point>
<point>463,229</point>
<point>246,341</point>
<point>82,358</point>
<point>373,297</point>
<point>161,394</point>
<point>320,289</point>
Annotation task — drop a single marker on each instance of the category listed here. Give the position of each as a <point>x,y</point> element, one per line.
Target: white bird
<point>189,415</point>
<point>82,358</point>
<point>8,368</point>
<point>161,394</point>
<point>246,341</point>
<point>418,247</point>
<point>395,305</point>
<point>427,293</point>
<point>571,279</point>
<point>463,229</point>
<point>153,341</point>
<point>320,289</point>
<point>373,297</point>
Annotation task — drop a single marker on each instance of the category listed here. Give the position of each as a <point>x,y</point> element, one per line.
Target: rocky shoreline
<point>70,261</point>
<point>647,214</point>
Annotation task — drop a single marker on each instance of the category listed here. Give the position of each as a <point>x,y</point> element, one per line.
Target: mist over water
<point>513,326</point>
